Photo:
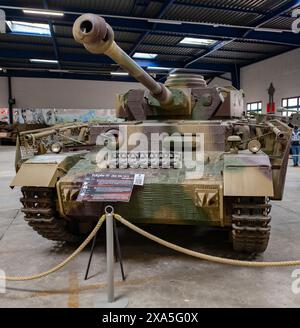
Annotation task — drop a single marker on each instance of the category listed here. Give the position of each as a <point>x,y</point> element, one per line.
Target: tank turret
<point>184,96</point>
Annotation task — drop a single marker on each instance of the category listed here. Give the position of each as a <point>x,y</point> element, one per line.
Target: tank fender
<point>45,170</point>
<point>247,174</point>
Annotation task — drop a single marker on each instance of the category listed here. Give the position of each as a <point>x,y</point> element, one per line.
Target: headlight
<point>56,148</point>
<point>254,146</point>
<point>111,139</point>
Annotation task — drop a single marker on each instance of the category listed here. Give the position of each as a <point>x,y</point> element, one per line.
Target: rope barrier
<point>158,240</point>
<point>66,261</point>
<point>203,256</point>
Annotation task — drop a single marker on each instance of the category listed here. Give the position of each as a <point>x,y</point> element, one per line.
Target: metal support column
<point>10,102</point>
<point>236,77</point>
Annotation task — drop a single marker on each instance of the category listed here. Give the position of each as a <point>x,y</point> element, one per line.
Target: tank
<point>9,132</point>
<point>203,161</point>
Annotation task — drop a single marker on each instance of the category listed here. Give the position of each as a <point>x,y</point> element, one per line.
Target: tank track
<point>251,226</point>
<point>40,213</point>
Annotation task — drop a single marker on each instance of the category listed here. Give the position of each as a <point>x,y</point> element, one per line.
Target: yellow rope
<point>66,261</point>
<point>201,255</point>
<point>158,240</point>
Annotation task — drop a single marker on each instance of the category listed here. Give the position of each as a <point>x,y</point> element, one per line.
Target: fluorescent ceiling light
<point>58,71</point>
<point>155,68</point>
<point>164,21</point>
<point>144,55</point>
<point>119,73</point>
<point>29,28</point>
<point>44,61</point>
<point>262,29</point>
<point>43,12</point>
<point>197,41</point>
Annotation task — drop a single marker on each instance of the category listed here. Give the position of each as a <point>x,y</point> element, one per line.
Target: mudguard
<point>45,170</point>
<point>247,174</point>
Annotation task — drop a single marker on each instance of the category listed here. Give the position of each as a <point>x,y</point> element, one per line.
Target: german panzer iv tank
<point>242,162</point>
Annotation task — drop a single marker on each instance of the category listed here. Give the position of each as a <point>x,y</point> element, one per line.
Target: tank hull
<point>226,187</point>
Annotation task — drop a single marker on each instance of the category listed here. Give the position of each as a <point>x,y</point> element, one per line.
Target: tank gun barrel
<point>98,38</point>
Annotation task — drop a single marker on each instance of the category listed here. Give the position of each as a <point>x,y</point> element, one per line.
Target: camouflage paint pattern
<point>183,105</point>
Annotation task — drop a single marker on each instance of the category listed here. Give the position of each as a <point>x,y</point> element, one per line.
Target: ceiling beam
<point>63,75</point>
<point>270,16</point>
<point>165,7</point>
<point>78,46</point>
<point>220,7</point>
<point>218,45</point>
<point>225,8</point>
<point>146,26</point>
<point>262,59</point>
<point>262,21</point>
<point>290,5</point>
<point>89,58</point>
<point>195,29</point>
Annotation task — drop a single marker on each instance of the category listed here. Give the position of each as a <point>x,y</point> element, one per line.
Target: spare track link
<point>40,213</point>
<point>250,227</point>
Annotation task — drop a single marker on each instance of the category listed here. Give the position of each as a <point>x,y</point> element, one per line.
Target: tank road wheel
<point>40,213</point>
<point>251,225</point>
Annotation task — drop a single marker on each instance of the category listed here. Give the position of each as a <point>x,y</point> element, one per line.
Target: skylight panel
<point>29,28</point>
<point>197,41</point>
<point>144,55</point>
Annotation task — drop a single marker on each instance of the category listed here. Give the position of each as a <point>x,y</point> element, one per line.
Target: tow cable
<point>160,241</point>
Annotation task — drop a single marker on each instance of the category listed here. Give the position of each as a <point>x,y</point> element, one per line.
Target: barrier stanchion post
<point>109,212</point>
<point>111,301</point>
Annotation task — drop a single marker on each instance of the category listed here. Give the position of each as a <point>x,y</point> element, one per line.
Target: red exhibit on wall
<point>271,108</point>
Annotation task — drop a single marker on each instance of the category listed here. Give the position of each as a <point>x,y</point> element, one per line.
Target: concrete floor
<point>156,277</point>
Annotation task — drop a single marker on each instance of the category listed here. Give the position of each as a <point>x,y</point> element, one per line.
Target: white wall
<point>282,70</point>
<point>74,94</point>
<point>57,93</point>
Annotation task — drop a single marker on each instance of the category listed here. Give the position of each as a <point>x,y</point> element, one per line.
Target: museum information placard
<point>106,187</point>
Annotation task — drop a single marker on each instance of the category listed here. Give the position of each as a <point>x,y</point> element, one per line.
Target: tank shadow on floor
<point>212,241</point>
